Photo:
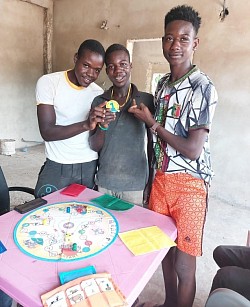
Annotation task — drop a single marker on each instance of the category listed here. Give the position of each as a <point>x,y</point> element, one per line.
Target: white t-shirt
<point>72,104</point>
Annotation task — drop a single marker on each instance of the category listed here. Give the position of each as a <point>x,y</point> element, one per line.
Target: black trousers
<point>55,176</point>
<point>234,272</point>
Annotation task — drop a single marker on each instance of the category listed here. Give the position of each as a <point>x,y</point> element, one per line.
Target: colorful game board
<point>66,231</point>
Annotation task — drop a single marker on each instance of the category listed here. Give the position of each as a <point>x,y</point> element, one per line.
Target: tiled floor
<point>225,224</point>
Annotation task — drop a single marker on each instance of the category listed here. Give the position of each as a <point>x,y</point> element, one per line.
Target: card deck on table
<point>73,189</point>
<point>30,205</point>
<point>111,202</point>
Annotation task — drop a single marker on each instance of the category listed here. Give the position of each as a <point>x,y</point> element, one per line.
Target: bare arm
<point>190,147</point>
<point>150,155</point>
<point>96,139</point>
<point>52,132</point>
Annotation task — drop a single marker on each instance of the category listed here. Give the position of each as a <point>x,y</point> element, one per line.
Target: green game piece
<point>74,247</point>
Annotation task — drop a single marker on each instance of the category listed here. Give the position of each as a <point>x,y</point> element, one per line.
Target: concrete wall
<point>21,58</point>
<point>25,54</point>
<point>223,54</point>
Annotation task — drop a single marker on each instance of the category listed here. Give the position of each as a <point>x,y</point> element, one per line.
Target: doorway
<point>148,61</point>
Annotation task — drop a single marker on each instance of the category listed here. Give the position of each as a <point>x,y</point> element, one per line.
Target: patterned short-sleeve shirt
<point>188,104</point>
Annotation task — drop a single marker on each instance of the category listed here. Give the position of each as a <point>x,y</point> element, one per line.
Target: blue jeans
<point>5,300</point>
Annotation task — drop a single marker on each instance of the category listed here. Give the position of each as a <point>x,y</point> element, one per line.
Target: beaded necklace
<point>127,97</point>
<point>160,147</point>
<point>171,84</point>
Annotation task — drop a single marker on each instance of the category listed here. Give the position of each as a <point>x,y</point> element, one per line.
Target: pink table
<point>24,278</point>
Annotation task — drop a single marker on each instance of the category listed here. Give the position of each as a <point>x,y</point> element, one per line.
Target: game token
<point>2,248</point>
<point>113,105</point>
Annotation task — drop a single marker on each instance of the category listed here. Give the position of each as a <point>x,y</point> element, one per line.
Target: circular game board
<point>66,231</point>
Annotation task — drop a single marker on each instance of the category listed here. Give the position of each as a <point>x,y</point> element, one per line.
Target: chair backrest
<point>4,194</point>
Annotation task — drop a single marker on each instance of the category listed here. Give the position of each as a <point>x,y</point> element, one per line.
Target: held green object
<point>102,128</point>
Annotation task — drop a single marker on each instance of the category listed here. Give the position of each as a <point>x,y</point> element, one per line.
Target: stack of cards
<point>73,189</point>
<point>112,203</point>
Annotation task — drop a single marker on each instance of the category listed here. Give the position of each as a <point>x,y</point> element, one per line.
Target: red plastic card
<point>73,189</point>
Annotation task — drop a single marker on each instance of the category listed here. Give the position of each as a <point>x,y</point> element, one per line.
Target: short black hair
<point>115,47</point>
<point>92,45</point>
<point>184,12</point>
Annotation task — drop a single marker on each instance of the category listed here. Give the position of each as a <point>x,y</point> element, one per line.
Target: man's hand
<point>100,115</point>
<point>109,117</point>
<point>142,112</point>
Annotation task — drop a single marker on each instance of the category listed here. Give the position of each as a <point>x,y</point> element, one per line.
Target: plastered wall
<point>25,54</point>
<point>21,58</point>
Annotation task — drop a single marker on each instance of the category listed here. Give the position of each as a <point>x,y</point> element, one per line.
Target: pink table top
<point>25,278</point>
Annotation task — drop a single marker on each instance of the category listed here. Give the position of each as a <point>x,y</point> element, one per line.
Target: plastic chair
<point>5,195</point>
<point>223,297</point>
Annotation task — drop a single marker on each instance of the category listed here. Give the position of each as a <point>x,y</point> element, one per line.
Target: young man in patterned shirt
<point>185,101</point>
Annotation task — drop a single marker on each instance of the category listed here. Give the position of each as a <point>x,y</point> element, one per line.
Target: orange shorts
<point>184,198</point>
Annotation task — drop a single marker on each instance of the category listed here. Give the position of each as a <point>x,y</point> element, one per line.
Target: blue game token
<point>2,248</point>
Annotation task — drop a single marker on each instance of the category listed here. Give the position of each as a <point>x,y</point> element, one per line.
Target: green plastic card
<point>112,203</point>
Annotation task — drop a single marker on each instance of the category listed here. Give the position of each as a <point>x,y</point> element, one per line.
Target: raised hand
<point>142,112</point>
<point>100,115</point>
<point>109,117</point>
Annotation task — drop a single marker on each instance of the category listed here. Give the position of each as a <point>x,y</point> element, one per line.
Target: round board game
<point>66,231</point>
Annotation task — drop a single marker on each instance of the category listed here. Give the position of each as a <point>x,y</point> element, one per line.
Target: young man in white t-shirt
<point>65,118</point>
